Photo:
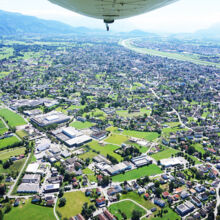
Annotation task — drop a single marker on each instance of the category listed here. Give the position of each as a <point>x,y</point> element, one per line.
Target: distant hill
<point>212,32</point>
<point>15,23</point>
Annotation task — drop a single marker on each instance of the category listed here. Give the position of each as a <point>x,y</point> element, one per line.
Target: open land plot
<point>149,136</point>
<point>166,216</point>
<point>167,153</point>
<point>15,167</point>
<point>125,113</point>
<point>139,199</point>
<point>3,128</point>
<point>74,203</point>
<point>199,148</point>
<point>116,139</point>
<point>6,154</point>
<point>90,154</point>
<point>106,149</point>
<point>22,133</point>
<point>142,149</point>
<point>150,170</point>
<point>9,141</point>
<point>126,207</point>
<point>81,125</point>
<point>12,118</point>
<point>29,211</point>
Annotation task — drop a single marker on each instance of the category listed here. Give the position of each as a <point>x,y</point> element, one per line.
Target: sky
<point>181,16</point>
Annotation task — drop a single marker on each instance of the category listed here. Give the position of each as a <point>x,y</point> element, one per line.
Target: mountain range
<point>17,24</point>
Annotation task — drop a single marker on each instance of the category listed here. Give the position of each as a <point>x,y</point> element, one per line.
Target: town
<point>92,129</point>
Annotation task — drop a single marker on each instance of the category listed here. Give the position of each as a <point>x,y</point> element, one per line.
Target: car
<point>92,183</point>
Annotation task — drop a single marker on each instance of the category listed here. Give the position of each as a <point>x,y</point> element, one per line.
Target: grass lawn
<point>139,199</point>
<point>166,216</point>
<point>74,203</point>
<point>116,139</point>
<point>3,129</point>
<point>150,170</point>
<point>21,133</point>
<point>12,118</point>
<point>125,113</point>
<point>16,166</point>
<point>149,136</point>
<point>199,148</point>
<point>105,149</point>
<point>126,207</point>
<point>87,171</point>
<point>30,211</point>
<point>6,154</point>
<point>88,154</point>
<point>9,141</point>
<point>81,125</point>
<point>167,153</point>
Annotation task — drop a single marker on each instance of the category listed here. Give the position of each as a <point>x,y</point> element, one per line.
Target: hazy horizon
<point>182,16</point>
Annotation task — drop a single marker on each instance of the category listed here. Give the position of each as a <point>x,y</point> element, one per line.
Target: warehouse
<point>50,118</point>
<point>171,162</point>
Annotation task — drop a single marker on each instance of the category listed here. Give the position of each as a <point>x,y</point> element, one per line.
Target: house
<point>35,199</point>
<point>88,192</point>
<point>16,203</point>
<point>185,208</point>
<point>200,188</point>
<point>77,217</point>
<point>98,191</point>
<point>184,194</point>
<point>165,194</point>
<point>146,195</point>
<point>203,196</point>
<point>100,202</point>
<point>50,203</point>
<point>196,201</point>
<point>109,215</point>
<point>159,202</point>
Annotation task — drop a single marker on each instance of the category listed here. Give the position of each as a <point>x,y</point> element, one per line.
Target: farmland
<point>9,141</point>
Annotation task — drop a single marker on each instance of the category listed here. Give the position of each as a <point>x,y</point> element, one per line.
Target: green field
<point>139,199</point>
<point>166,216</point>
<point>126,207</point>
<point>74,203</point>
<point>88,154</point>
<point>199,148</point>
<point>3,129</point>
<point>150,170</point>
<point>22,133</point>
<point>177,56</point>
<point>16,166</point>
<point>81,125</point>
<point>9,141</point>
<point>106,149</point>
<point>5,154</point>
<point>29,211</point>
<point>116,139</point>
<point>125,113</point>
<point>167,153</point>
<point>149,136</point>
<point>12,118</point>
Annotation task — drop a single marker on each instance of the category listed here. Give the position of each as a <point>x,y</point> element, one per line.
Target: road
<point>54,209</point>
<point>14,184</point>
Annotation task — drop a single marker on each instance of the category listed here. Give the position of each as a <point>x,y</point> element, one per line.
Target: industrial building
<point>50,118</point>
<point>142,160</point>
<point>185,208</point>
<point>119,168</point>
<point>174,161</point>
<point>71,137</point>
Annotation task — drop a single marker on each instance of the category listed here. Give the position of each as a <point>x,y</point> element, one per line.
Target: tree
<point>171,186</point>
<point>62,202</point>
<point>211,216</point>
<point>136,215</point>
